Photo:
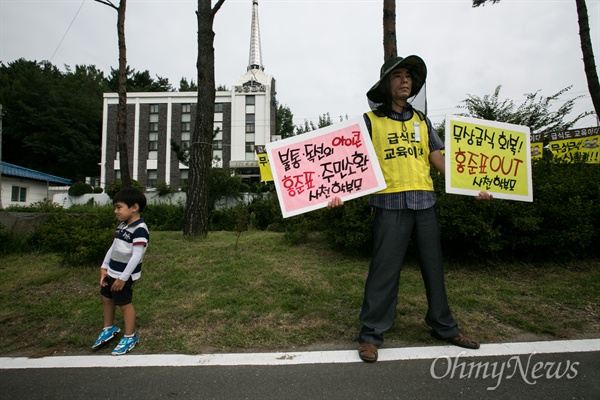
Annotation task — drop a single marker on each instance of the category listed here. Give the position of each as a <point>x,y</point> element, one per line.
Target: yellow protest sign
<point>488,155</point>
<point>263,164</point>
<point>576,145</point>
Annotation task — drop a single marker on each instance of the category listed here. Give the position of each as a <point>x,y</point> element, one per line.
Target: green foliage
<point>284,122</point>
<point>113,188</point>
<point>80,188</point>
<point>562,222</point>
<point>324,120</point>
<point>242,217</point>
<point>81,239</point>
<point>164,189</point>
<point>349,228</point>
<point>185,86</point>
<point>223,219</point>
<point>223,184</point>
<point>536,113</point>
<point>10,243</point>
<point>164,217</point>
<point>42,206</point>
<point>139,81</point>
<point>52,120</point>
<point>265,211</point>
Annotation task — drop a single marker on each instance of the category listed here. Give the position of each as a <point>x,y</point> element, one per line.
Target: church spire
<point>255,61</point>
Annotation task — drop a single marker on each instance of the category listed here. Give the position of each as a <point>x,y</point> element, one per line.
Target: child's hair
<point>130,196</point>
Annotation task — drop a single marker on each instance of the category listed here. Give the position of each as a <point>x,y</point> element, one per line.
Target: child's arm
<point>104,266</point>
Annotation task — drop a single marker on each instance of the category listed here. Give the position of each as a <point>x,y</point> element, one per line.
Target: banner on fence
<point>312,168</point>
<point>488,155</point>
<point>571,145</point>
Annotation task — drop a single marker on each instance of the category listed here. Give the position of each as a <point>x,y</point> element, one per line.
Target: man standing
<point>406,146</point>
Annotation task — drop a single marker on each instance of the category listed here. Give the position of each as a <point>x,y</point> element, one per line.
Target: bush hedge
<point>563,221</point>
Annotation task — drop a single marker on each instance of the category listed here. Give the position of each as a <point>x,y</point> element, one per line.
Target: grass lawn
<point>213,295</point>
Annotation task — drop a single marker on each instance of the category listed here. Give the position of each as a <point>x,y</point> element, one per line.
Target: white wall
<point>36,191</point>
<point>67,201</point>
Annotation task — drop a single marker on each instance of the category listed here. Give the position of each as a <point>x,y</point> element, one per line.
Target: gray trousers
<point>392,232</point>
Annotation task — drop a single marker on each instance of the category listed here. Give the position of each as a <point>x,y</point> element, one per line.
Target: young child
<point>121,267</point>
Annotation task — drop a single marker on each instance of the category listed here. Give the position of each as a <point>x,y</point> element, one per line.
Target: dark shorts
<point>122,297</point>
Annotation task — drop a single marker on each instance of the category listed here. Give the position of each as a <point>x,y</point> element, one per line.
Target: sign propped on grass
<point>488,155</point>
<point>312,168</point>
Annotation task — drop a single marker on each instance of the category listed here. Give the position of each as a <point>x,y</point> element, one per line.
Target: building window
<point>250,147</point>
<point>152,177</point>
<point>250,127</point>
<point>217,144</point>
<point>250,100</point>
<point>186,125</point>
<point>183,177</point>
<point>218,107</point>
<point>19,194</point>
<point>153,133</point>
<point>185,139</point>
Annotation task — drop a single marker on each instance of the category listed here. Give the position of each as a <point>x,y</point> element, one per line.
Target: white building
<point>22,186</point>
<point>244,117</point>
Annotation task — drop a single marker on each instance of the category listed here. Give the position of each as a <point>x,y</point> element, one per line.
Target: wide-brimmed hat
<point>413,63</point>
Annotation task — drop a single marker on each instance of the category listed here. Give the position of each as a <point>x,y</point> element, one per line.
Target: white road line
<point>295,358</point>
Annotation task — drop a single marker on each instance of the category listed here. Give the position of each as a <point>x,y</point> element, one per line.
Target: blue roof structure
<point>26,173</point>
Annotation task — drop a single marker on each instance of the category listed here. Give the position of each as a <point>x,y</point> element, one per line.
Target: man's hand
<point>484,196</point>
<point>335,202</point>
<point>117,286</point>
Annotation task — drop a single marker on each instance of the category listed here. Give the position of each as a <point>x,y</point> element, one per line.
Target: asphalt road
<point>526,371</point>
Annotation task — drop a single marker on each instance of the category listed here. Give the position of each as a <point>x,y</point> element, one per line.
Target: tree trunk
<point>196,206</point>
<point>588,55</point>
<point>122,111</point>
<point>389,29</point>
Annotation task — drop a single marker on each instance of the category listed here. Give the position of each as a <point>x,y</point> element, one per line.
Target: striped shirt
<point>415,199</point>
<point>127,236</point>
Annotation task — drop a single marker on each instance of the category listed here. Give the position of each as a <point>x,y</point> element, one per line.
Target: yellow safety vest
<point>402,148</point>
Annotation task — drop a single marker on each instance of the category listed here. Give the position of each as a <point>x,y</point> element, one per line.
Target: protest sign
<point>488,155</point>
<point>312,168</point>
<point>573,145</point>
<point>263,164</point>
<point>576,145</point>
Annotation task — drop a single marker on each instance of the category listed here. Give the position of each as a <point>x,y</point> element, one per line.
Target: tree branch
<point>217,7</point>
<point>108,3</point>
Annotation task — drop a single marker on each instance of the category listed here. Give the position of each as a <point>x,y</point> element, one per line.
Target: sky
<point>324,54</point>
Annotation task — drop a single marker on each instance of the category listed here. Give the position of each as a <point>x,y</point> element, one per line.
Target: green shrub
<point>80,188</point>
<point>164,217</point>
<point>222,220</point>
<point>164,189</point>
<point>350,227</point>
<point>562,222</point>
<point>10,243</point>
<point>82,239</point>
<point>266,210</point>
<point>43,206</point>
<point>113,188</point>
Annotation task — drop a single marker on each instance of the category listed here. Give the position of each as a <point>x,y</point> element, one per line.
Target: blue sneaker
<point>125,345</point>
<point>106,335</point>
